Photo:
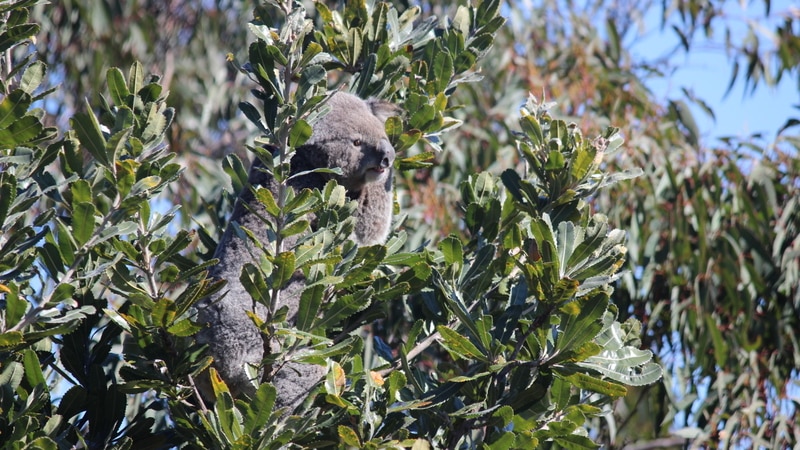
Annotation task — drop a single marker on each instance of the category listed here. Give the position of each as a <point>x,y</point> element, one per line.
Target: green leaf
<point>253,115</point>
<point>720,346</point>
<point>310,301</point>
<point>33,369</point>
<point>452,251</point>
<point>583,326</point>
<point>505,441</point>
<point>311,50</point>
<point>460,345</point>
<point>163,312</point>
<point>456,303</point>
<point>10,339</point>
<point>135,77</point>
<point>91,137</point>
<point>393,292</point>
<point>575,442</point>
<point>81,192</point>
<point>145,185</point>
<point>595,384</point>
<point>369,258</point>
<point>181,240</point>
<point>117,87</point>
<point>21,131</point>
<point>253,282</point>
<point>301,132</point>
<point>349,437</point>
<point>258,412</point>
<point>234,168</point>
<point>13,107</point>
<point>73,402</point>
<point>184,328</point>
<point>294,228</point>
<point>312,75</point>
<point>343,307</point>
<point>8,193</point>
<point>15,306</point>
<point>118,143</point>
<point>150,93</point>
<point>441,72</point>
<point>83,222</point>
<point>159,119</point>
<point>284,269</point>
<point>12,374</point>
<point>16,34</point>
<point>555,161</point>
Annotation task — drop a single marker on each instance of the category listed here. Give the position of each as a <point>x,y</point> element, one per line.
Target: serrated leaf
<point>294,228</point>
<point>13,107</point>
<point>81,192</point>
<point>184,328</point>
<point>10,338</point>
<point>310,301</point>
<point>349,437</point>
<point>459,344</point>
<point>21,131</point>
<point>595,384</point>
<point>33,76</point>
<point>122,320</point>
<point>265,197</point>
<point>72,402</point>
<point>159,119</point>
<point>284,269</point>
<point>163,312</point>
<point>620,371</point>
<point>258,412</point>
<point>343,307</point>
<point>33,369</point>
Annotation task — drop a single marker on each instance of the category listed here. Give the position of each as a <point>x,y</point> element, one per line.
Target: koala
<point>351,137</point>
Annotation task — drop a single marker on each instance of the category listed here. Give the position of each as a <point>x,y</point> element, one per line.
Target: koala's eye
<point>357,142</point>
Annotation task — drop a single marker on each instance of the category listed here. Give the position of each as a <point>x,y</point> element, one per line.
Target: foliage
<point>711,248</point>
<point>98,284</point>
<point>713,234</point>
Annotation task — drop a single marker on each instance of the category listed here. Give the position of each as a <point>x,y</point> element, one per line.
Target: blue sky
<point>706,70</point>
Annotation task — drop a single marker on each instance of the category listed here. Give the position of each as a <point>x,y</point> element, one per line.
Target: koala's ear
<point>383,109</point>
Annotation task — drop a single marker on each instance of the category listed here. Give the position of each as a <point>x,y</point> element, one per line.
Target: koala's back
<point>351,137</point>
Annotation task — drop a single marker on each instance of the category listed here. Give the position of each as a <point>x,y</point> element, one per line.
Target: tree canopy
<point>573,262</point>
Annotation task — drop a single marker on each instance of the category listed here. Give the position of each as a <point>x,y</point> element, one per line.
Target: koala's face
<point>352,137</point>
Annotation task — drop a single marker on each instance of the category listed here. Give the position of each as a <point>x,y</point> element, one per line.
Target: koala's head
<point>352,137</point>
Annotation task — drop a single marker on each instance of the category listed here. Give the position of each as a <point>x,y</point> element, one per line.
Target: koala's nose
<point>387,152</point>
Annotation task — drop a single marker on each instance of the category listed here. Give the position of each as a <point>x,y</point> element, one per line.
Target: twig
<point>197,393</point>
<point>419,348</point>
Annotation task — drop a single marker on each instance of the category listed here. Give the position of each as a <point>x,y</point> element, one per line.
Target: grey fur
<point>351,137</point>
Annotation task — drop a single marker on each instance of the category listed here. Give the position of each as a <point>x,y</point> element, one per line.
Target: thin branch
<point>419,348</point>
<point>197,394</point>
